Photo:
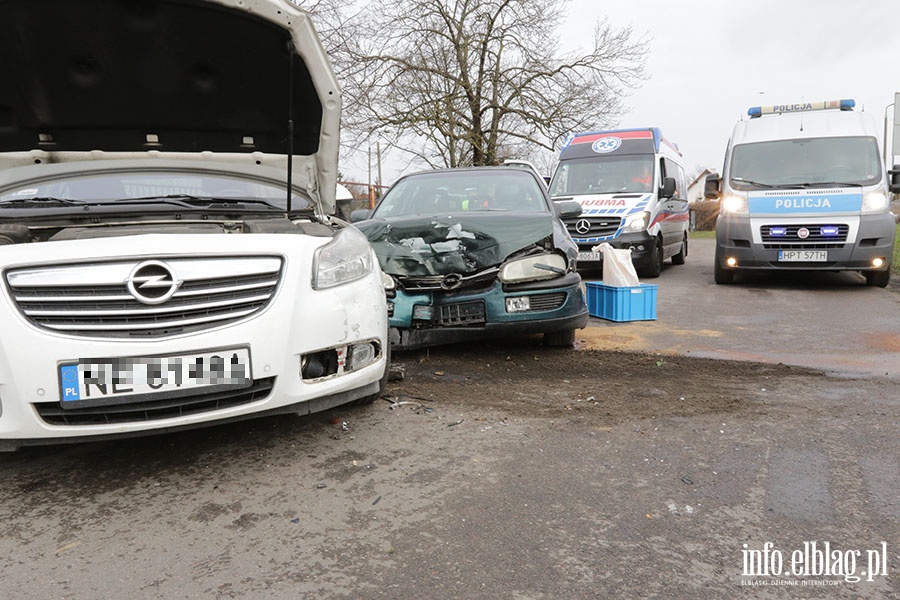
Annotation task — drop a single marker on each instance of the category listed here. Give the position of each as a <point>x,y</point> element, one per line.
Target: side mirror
<point>360,215</point>
<point>712,186</point>
<point>895,179</point>
<point>567,209</point>
<point>668,188</point>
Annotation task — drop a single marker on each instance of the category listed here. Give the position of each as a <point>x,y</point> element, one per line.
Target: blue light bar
<point>777,109</point>
<point>778,231</point>
<point>829,230</point>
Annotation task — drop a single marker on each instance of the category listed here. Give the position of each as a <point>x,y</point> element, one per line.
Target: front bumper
<point>299,322</point>
<point>448,317</point>
<point>869,237</point>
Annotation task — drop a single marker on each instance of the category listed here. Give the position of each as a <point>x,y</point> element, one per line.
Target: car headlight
<point>636,222</point>
<point>735,205</point>
<point>346,258</point>
<point>533,268</point>
<point>874,202</point>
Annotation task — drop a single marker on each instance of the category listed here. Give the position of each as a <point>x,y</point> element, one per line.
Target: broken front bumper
<point>420,319</point>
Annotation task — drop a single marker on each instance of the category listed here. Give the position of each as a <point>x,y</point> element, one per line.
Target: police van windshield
<point>606,175</point>
<point>804,162</point>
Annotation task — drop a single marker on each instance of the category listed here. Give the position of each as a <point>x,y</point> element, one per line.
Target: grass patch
<point>707,235</point>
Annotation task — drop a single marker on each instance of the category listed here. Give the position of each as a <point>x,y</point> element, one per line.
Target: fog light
<point>731,261</point>
<point>639,248</point>
<point>422,312</point>
<point>877,262</point>
<point>361,355</point>
<point>518,304</point>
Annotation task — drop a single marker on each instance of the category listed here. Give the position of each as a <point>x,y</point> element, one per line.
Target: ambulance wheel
<point>678,259</point>
<point>560,339</point>
<point>878,278</point>
<point>655,264</point>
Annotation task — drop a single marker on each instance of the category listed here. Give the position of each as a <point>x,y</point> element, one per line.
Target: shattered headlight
<point>533,268</point>
<point>346,258</point>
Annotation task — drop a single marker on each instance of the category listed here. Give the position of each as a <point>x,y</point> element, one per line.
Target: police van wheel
<point>678,259</point>
<point>722,276</point>
<point>878,278</point>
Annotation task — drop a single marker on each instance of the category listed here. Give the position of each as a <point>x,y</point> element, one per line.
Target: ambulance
<point>631,187</point>
<point>803,188</point>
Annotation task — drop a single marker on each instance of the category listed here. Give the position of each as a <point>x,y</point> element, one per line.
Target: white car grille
<point>144,298</point>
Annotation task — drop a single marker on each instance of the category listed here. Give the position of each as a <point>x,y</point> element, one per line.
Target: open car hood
<point>460,243</point>
<point>108,79</point>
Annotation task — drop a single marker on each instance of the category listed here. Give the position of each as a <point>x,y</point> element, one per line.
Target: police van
<point>631,187</point>
<point>803,188</point>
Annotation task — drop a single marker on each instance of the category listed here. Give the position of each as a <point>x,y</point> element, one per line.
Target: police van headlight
<point>636,222</point>
<point>733,204</point>
<point>874,202</point>
<point>345,258</point>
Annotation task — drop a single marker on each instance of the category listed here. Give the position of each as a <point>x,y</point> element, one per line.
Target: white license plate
<point>589,256</point>
<point>802,256</point>
<point>99,382</point>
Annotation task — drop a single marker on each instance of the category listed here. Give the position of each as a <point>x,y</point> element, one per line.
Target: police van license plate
<point>589,256</point>
<point>100,382</point>
<point>803,256</point>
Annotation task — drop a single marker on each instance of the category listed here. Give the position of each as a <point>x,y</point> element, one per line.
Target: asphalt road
<point>513,471</point>
<point>829,321</point>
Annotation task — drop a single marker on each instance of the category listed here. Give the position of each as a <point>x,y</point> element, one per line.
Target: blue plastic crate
<point>621,303</point>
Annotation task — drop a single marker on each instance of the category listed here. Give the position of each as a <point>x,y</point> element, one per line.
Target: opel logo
<point>152,282</point>
<point>803,233</point>
<point>451,281</point>
<point>582,226</point>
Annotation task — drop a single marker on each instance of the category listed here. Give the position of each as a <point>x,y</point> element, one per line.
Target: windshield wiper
<point>193,201</point>
<point>41,201</point>
<point>818,184</point>
<point>751,182</point>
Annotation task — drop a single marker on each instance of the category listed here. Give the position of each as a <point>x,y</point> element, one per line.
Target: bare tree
<point>471,82</point>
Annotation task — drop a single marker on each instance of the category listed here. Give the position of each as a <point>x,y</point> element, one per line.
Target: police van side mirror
<point>711,188</point>
<point>668,188</point>
<point>895,179</point>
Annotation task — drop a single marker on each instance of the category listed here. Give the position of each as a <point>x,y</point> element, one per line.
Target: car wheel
<point>678,259</point>
<point>878,278</point>
<point>655,265</point>
<point>560,339</point>
<point>722,275</point>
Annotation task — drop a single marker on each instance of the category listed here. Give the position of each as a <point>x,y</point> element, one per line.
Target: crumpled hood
<point>106,79</point>
<point>458,243</point>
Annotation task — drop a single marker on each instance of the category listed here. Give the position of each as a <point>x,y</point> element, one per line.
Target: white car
<point>167,254</point>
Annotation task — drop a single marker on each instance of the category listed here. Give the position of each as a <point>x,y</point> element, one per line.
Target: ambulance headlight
<point>733,204</point>
<point>874,202</point>
<point>636,222</point>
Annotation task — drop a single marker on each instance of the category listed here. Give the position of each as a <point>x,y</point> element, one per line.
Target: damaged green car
<point>475,253</point>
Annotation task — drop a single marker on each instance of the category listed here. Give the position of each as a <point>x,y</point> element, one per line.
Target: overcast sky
<point>710,60</point>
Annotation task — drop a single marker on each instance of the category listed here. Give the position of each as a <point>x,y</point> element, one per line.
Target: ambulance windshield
<point>603,175</point>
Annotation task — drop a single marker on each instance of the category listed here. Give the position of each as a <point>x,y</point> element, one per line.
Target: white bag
<point>618,270</point>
